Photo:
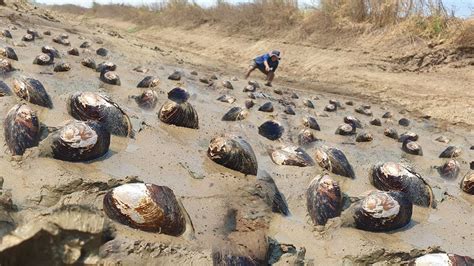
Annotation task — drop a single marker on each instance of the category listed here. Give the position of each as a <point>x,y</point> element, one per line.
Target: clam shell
<point>271,130</point>
<point>383,211</point>
<point>308,103</point>
<point>266,107</point>
<point>7,34</point>
<point>34,33</point>
<point>88,62</point>
<point>353,121</point>
<point>249,88</point>
<point>364,137</point>
<point>51,51</point>
<point>289,111</point>
<point>178,95</point>
<point>80,141</point>
<point>9,53</point>
<point>330,108</point>
<point>106,66</point>
<point>175,76</point>
<point>267,189</point>
<point>102,52</point>
<point>85,44</point>
<point>335,103</point>
<point>323,199</point>
<point>43,60</point>
<point>291,155</point>
<point>61,40</point>
<point>392,176</point>
<point>226,99</point>
<point>94,106</point>
<point>179,114</point>
<point>254,84</point>
<point>5,66</point>
<point>442,259</point>
<point>363,110</point>
<point>404,122</point>
<point>249,104</point>
<point>449,170</point>
<point>443,139</point>
<point>28,38</point>
<point>147,100</point>
<point>235,114</point>
<point>227,84</point>
<point>233,152</point>
<point>21,129</point>
<point>141,69</point>
<point>412,147</point>
<point>4,89</point>
<point>391,133</point>
<point>147,207</point>
<point>376,122</point>
<point>110,77</point>
<point>451,152</point>
<point>310,122</point>
<point>149,82</point>
<point>62,67</point>
<point>73,51</point>
<point>408,136</point>
<point>345,130</point>
<point>306,137</point>
<point>467,183</point>
<point>294,96</point>
<point>334,161</point>
<point>350,103</point>
<point>387,115</point>
<point>32,90</point>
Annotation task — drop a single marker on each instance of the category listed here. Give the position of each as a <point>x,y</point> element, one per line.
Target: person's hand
<point>267,68</point>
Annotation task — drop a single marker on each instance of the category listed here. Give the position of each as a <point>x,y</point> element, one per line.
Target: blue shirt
<point>266,57</point>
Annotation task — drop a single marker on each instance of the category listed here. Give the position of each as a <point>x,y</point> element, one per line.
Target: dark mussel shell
<point>149,82</point>
<point>6,34</point>
<point>249,104</point>
<point>383,211</point>
<point>147,207</point>
<point>43,60</point>
<point>305,137</point>
<point>323,199</point>
<point>227,84</point>
<point>32,90</point>
<point>73,51</point>
<point>266,107</point>
<point>28,38</point>
<point>110,77</point>
<point>178,95</point>
<point>392,176</point>
<point>387,115</point>
<point>364,137</point>
<point>310,122</point>
<point>267,189</point>
<point>47,33</point>
<point>350,103</point>
<point>62,40</point>
<point>412,147</point>
<point>9,53</point>
<point>88,62</point>
<point>308,103</point>
<point>345,130</point>
<point>4,89</point>
<point>80,141</point>
<point>175,76</point>
<point>94,106</point>
<point>254,84</point>
<point>451,152</point>
<point>21,129</point>
<point>51,51</point>
<point>376,122</point>
<point>404,122</point>
<point>410,136</point>
<point>291,155</point>
<point>35,33</point>
<point>106,66</point>
<point>271,130</point>
<point>62,67</point>
<point>467,183</point>
<point>391,133</point>
<point>363,110</point>
<point>235,114</point>
<point>226,99</point>
<point>449,170</point>
<point>335,103</point>
<point>249,88</point>
<point>289,111</point>
<point>334,161</point>
<point>102,52</point>
<point>442,259</point>
<point>293,95</point>
<point>353,121</point>
<point>85,44</point>
<point>147,100</point>
<point>330,108</point>
<point>63,36</point>
<point>5,66</point>
<point>233,152</point>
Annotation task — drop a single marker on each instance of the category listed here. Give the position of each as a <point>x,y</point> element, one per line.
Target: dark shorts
<point>260,67</point>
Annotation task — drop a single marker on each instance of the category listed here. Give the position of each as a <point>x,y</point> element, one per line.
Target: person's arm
<point>265,62</point>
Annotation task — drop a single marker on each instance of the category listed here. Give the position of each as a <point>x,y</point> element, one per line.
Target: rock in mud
<point>226,99</point>
<point>442,259</point>
<point>334,161</point>
<point>85,44</point>
<point>28,38</point>
<point>147,100</point>
<point>177,111</point>
<point>149,82</point>
<point>9,53</point>
<point>141,69</point>
<point>147,207</point>
<point>31,90</point>
<point>449,170</point>
<point>271,130</point>
<point>233,152</point>
<point>266,188</point>
<point>350,103</point>
<point>266,107</point>
<point>62,67</point>
<point>227,84</point>
<point>224,259</point>
<point>61,40</point>
<point>102,51</point>
<point>330,108</point>
<point>467,183</point>
<point>412,147</point>
<point>292,156</point>
<point>323,199</point>
<point>21,129</point>
<point>235,114</point>
<point>43,60</point>
<point>451,152</point>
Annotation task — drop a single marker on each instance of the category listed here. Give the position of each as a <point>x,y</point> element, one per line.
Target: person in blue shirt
<point>267,64</point>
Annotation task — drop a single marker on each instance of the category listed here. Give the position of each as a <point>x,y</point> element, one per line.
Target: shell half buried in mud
<point>323,199</point>
<point>266,188</point>
<point>9,53</point>
<point>411,136</point>
<point>5,66</point>
<point>177,111</point>
<point>147,207</point>
<point>467,183</point>
<point>88,62</point>
<point>51,51</point>
<point>306,137</point>
<point>226,99</point>
<point>412,147</point>
<point>94,106</point>
<point>21,129</point>
<point>147,100</point>
<point>62,67</point>
<point>291,155</point>
<point>33,91</point>
<point>451,152</point>
<point>106,66</point>
<point>383,211</point>
<point>442,259</point>
<point>4,89</point>
<point>271,130</point>
<point>235,114</point>
<point>80,141</point>
<point>311,122</point>
<point>364,137</point>
<point>345,130</point>
<point>391,133</point>
<point>266,107</point>
<point>392,176</point>
<point>110,77</point>
<point>43,60</point>
<point>353,121</point>
<point>334,161</point>
<point>233,152</point>
<point>149,82</point>
<point>449,170</point>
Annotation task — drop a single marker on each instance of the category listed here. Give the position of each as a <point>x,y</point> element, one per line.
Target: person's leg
<point>270,77</point>
<point>249,71</point>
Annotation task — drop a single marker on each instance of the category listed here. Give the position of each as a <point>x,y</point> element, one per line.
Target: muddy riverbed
<point>225,212</point>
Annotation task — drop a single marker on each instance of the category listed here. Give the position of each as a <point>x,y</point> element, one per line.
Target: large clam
<point>323,199</point>
<point>233,152</point>
<point>177,111</point>
<point>271,130</point>
<point>94,106</point>
<point>21,129</point>
<point>147,207</point>
<point>33,91</point>
<point>392,176</point>
<point>80,141</point>
<point>383,211</point>
<point>334,161</point>
<point>467,183</point>
<point>291,155</point>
